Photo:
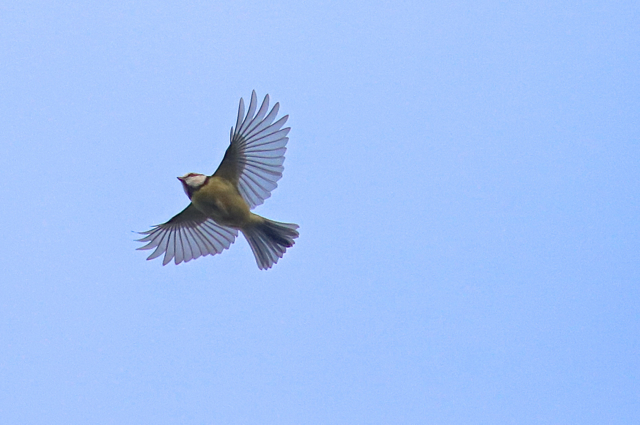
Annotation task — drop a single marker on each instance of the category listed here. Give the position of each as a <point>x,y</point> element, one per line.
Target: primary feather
<point>255,156</point>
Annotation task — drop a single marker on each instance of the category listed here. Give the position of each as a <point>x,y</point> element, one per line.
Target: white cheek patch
<point>196,181</point>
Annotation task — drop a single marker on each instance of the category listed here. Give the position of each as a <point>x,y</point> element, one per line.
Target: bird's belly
<point>225,215</point>
<point>224,210</point>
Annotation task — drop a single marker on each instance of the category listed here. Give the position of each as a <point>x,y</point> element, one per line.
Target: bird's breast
<point>221,201</point>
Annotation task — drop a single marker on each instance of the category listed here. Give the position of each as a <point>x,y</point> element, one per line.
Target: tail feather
<point>269,240</point>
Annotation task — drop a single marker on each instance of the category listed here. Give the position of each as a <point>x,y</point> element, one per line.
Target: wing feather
<point>253,160</point>
<point>187,236</point>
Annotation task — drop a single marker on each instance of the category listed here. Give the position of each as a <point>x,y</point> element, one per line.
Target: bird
<point>221,203</point>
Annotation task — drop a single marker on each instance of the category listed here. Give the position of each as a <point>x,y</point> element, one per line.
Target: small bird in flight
<point>221,203</point>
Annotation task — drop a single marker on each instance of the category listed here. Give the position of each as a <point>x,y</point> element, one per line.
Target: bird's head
<point>192,182</point>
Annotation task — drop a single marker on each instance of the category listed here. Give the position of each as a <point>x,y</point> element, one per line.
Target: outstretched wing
<point>187,236</point>
<point>253,161</point>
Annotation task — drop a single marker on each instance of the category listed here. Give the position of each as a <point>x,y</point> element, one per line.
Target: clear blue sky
<point>466,177</point>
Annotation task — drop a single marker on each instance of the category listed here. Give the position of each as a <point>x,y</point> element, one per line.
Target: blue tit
<point>221,204</point>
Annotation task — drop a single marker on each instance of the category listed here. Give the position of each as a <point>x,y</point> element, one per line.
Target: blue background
<point>465,176</point>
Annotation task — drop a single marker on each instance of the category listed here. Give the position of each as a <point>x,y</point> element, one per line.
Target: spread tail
<point>269,240</point>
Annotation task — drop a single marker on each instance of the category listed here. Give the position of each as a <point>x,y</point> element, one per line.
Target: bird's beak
<point>181,179</point>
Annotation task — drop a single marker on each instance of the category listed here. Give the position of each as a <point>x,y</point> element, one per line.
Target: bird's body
<point>219,199</point>
<point>221,204</point>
